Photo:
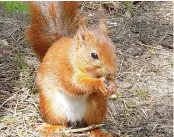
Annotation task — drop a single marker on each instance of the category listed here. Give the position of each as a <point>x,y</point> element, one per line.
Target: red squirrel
<point>73,60</point>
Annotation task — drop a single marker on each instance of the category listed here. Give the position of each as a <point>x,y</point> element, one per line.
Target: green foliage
<point>142,93</point>
<point>129,6</point>
<point>15,6</point>
<point>21,62</point>
<point>25,78</point>
<point>7,119</point>
<point>118,95</point>
<point>104,131</point>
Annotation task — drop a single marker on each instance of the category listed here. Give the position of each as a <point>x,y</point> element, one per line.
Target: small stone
<point>4,42</point>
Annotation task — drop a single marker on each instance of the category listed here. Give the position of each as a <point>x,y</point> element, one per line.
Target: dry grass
<point>143,107</point>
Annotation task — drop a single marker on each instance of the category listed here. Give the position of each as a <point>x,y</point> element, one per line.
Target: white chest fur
<point>73,108</point>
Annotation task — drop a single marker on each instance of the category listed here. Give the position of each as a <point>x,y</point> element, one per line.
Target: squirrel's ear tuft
<point>80,36</point>
<point>81,33</point>
<point>103,22</point>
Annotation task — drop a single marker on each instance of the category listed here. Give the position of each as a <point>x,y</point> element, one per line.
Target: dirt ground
<point>144,41</point>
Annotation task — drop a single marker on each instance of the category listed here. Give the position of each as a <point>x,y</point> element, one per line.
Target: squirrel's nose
<point>109,71</point>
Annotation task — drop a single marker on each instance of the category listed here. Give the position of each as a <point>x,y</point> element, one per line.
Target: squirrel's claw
<point>104,90</point>
<point>110,87</point>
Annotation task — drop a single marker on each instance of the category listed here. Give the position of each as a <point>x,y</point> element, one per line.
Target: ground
<point>143,35</point>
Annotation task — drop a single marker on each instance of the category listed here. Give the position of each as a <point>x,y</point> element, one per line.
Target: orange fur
<point>96,109</point>
<point>48,130</point>
<point>68,77</point>
<point>98,133</point>
<point>47,113</point>
<point>41,33</point>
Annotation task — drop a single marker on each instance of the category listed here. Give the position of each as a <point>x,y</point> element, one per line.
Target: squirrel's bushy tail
<point>49,22</point>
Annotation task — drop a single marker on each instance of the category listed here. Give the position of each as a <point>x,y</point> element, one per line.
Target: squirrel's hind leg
<point>96,114</point>
<point>49,130</point>
<point>99,133</point>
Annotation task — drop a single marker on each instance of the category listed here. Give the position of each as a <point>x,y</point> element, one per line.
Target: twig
<point>135,130</point>
<point>81,135</point>
<point>165,127</point>
<point>162,38</point>
<point>10,22</point>
<point>139,5</point>
<point>8,100</point>
<point>8,110</point>
<point>16,107</point>
<point>25,126</point>
<point>121,64</point>
<point>148,46</point>
<point>35,104</point>
<point>153,129</point>
<point>79,129</point>
<point>110,114</point>
<point>139,113</point>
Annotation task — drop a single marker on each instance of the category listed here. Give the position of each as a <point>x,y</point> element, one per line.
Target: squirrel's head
<point>95,52</point>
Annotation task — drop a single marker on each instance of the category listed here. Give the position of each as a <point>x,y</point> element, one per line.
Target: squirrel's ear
<point>103,22</point>
<point>81,36</point>
<point>81,33</point>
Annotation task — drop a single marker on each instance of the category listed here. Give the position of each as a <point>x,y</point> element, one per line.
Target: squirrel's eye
<point>94,55</point>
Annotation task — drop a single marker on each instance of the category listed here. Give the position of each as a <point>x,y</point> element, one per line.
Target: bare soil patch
<point>144,44</point>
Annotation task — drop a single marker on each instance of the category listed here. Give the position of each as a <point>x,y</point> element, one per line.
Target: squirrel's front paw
<point>110,85</point>
<point>103,89</point>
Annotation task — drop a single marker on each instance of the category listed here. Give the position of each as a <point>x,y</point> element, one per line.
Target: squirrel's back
<point>49,22</point>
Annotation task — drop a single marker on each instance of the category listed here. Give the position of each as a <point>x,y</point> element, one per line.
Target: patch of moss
<point>21,62</point>
<point>15,6</point>
<point>129,6</point>
<point>142,93</point>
